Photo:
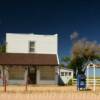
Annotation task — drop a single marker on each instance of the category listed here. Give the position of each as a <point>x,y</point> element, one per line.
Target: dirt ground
<point>48,93</point>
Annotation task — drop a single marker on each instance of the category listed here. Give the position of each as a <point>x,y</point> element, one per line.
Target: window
<point>47,73</point>
<point>69,73</point>
<point>16,73</point>
<point>66,73</point>
<point>62,73</point>
<point>31,46</point>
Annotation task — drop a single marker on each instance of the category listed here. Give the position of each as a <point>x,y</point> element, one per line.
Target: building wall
<point>19,43</point>
<point>44,44</point>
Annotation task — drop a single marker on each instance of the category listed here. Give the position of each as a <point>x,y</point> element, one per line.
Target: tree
<point>2,48</point>
<point>82,51</point>
<point>65,61</point>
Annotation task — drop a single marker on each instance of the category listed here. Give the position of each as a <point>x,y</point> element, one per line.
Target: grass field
<point>49,96</point>
<point>48,93</point>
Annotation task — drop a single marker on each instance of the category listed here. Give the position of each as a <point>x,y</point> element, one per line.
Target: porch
<point>28,69</point>
<point>20,75</point>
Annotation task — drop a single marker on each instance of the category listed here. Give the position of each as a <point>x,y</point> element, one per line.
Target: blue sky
<point>97,72</point>
<point>52,16</point>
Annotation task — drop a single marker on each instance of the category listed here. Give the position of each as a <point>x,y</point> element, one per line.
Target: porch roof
<point>28,59</point>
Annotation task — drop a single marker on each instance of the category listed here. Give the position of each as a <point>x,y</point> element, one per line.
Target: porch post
<point>26,78</point>
<point>87,77</point>
<point>4,79</point>
<point>94,81</point>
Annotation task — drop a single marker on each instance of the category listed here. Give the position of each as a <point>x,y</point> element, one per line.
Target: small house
<point>65,76</point>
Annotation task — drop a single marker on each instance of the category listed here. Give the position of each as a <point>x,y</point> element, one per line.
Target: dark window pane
<point>69,73</point>
<point>31,50</point>
<point>66,73</point>
<point>31,46</point>
<point>62,73</point>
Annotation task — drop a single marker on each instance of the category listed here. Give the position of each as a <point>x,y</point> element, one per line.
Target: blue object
<point>81,81</point>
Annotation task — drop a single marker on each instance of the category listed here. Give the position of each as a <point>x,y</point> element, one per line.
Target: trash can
<point>81,81</point>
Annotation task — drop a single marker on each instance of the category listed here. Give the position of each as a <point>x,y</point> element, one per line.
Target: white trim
<point>87,74</point>
<point>12,82</point>
<point>94,81</point>
<point>37,75</point>
<point>45,82</point>
<point>58,69</point>
<point>57,59</point>
<point>94,76</point>
<point>56,74</point>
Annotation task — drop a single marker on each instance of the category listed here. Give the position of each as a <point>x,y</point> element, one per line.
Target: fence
<point>90,81</point>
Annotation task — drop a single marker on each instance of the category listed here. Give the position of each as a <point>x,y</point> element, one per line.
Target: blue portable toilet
<point>81,81</point>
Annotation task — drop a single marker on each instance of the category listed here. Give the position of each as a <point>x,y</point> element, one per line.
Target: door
<point>32,75</point>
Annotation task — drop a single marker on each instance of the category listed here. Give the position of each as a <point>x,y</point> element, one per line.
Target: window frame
<point>31,47</point>
<point>62,73</point>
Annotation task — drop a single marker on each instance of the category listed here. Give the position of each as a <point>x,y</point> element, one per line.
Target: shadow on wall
<point>60,81</point>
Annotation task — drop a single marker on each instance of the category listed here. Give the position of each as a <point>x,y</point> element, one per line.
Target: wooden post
<point>94,80</point>
<point>3,75</point>
<point>26,78</point>
<point>4,79</point>
<point>87,77</point>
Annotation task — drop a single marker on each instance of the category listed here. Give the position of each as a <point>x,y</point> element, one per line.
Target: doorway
<point>32,75</point>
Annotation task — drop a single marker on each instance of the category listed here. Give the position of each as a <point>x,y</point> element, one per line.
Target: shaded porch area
<point>24,69</point>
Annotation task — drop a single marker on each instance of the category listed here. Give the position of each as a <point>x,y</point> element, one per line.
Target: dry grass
<point>47,93</point>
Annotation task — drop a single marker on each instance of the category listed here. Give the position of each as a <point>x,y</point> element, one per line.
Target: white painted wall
<point>19,43</point>
<point>66,78</point>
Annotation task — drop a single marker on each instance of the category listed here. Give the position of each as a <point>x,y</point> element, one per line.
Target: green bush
<point>70,82</point>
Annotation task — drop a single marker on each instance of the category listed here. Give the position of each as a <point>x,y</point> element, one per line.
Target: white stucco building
<point>30,58</point>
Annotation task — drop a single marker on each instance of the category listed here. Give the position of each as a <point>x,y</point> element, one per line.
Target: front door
<point>32,75</point>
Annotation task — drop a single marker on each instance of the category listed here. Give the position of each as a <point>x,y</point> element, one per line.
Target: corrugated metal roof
<point>27,59</point>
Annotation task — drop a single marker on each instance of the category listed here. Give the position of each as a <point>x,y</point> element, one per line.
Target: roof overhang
<point>28,59</point>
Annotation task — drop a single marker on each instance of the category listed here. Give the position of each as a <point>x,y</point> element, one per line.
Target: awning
<point>28,59</point>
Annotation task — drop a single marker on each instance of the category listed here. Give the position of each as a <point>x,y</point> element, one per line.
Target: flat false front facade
<point>31,43</point>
